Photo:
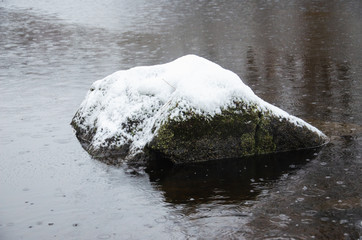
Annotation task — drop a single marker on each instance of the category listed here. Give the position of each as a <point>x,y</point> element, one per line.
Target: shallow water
<point>303,56</point>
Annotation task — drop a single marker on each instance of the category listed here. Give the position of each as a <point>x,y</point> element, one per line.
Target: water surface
<point>303,56</point>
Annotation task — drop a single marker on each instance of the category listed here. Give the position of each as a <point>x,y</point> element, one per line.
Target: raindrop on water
<point>324,219</point>
<point>343,221</point>
<point>104,236</point>
<point>306,221</point>
<point>342,206</point>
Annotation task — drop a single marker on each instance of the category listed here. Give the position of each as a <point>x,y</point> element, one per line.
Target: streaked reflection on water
<point>225,181</point>
<point>304,56</point>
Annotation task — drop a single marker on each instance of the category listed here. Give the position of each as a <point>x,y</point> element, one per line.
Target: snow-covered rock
<point>187,110</point>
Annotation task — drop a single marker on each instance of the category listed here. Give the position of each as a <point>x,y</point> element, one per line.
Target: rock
<point>188,110</point>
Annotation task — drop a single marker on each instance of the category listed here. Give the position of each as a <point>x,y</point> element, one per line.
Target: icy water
<point>303,56</point>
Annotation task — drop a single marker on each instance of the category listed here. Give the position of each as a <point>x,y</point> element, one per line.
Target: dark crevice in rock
<point>256,133</point>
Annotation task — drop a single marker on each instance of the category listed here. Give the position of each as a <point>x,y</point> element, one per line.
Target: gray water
<point>303,56</point>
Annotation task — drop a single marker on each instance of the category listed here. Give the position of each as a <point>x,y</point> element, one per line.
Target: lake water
<point>303,56</point>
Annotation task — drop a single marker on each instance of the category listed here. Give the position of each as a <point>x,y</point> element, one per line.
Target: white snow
<point>149,95</point>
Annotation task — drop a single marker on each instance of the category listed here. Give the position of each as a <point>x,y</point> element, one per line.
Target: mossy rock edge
<point>237,132</point>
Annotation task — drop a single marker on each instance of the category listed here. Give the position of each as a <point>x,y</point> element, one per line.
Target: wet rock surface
<point>237,132</point>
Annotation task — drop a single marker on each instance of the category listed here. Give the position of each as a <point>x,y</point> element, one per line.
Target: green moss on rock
<point>229,134</point>
<point>247,144</point>
<point>238,131</point>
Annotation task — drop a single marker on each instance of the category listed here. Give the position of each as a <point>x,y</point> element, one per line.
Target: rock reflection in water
<point>224,181</point>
